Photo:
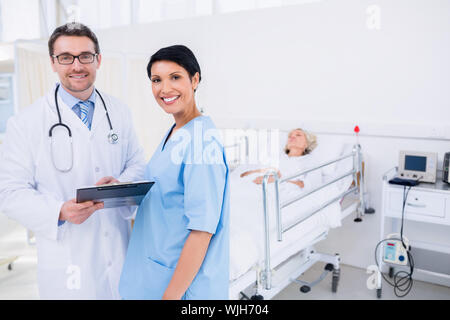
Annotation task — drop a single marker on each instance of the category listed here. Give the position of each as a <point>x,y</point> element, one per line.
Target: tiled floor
<point>20,282</point>
<point>352,285</point>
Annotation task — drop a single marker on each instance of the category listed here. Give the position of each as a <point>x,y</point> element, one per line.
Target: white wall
<point>320,66</point>
<point>315,61</point>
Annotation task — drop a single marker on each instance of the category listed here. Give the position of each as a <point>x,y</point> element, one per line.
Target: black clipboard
<point>117,194</point>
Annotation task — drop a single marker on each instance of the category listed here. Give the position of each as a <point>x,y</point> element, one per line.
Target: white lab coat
<point>74,261</point>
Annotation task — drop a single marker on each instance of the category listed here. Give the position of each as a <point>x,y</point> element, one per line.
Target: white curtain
<point>34,73</point>
<point>110,75</point>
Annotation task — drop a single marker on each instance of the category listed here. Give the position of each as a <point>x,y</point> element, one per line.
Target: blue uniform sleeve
<point>204,189</point>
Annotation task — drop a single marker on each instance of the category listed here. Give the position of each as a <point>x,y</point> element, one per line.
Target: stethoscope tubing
<point>60,123</point>
<point>112,137</point>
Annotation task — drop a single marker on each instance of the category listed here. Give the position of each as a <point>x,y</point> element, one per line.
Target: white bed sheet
<point>247,219</point>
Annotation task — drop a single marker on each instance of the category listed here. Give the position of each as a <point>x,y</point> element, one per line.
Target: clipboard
<point>117,194</point>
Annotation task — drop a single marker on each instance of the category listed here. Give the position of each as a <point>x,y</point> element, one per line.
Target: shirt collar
<point>70,100</point>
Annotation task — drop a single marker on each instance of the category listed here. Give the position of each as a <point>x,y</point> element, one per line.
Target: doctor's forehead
<point>73,44</point>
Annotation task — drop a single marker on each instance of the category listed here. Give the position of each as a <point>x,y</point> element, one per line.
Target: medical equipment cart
<point>429,205</point>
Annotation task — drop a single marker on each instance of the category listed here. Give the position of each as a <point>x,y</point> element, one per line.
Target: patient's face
<point>297,139</point>
<point>172,86</point>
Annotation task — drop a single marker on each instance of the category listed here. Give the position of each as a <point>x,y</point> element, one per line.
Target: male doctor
<point>80,246</point>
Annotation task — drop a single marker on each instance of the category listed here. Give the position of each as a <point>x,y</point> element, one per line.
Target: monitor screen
<point>415,163</point>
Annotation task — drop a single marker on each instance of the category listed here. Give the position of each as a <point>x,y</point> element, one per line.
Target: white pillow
<point>325,151</point>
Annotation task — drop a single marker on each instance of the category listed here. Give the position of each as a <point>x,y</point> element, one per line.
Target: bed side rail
<point>238,147</point>
<point>357,167</point>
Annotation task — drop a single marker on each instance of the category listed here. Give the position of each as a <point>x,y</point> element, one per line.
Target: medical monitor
<point>418,166</point>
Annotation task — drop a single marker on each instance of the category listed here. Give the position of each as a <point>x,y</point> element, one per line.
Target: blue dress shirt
<point>72,102</point>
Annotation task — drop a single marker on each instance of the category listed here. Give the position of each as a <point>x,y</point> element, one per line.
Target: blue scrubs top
<point>190,193</point>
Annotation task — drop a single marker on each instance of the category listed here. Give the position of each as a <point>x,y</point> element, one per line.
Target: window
<point>224,6</point>
<point>157,10</point>
<point>42,16</point>
<point>13,17</point>
<point>101,14</point>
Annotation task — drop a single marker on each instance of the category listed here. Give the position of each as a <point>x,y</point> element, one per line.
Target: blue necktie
<point>84,112</point>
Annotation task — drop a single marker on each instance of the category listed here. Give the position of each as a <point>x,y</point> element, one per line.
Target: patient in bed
<point>298,148</point>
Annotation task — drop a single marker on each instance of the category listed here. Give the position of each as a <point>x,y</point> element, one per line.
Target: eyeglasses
<point>67,58</point>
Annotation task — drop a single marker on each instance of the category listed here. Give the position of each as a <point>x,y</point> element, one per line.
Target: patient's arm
<point>298,183</point>
<point>263,170</point>
<point>246,173</point>
<point>259,180</point>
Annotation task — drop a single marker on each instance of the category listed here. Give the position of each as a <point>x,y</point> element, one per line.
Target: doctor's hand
<point>77,213</point>
<point>107,180</point>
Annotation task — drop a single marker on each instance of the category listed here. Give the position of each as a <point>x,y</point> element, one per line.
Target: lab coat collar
<point>72,101</point>
<point>69,117</point>
<point>100,115</point>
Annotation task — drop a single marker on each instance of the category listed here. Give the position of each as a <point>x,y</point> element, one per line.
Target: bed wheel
<point>257,297</point>
<point>10,266</point>
<point>391,272</point>
<point>369,210</point>
<point>379,293</point>
<point>335,280</point>
<point>334,284</point>
<point>329,267</point>
<point>305,289</point>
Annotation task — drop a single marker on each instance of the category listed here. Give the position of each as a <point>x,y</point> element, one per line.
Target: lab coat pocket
<point>157,279</point>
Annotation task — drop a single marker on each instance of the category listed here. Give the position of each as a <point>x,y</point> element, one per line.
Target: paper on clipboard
<point>115,195</point>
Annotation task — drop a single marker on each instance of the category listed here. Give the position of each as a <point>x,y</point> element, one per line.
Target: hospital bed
<point>272,243</point>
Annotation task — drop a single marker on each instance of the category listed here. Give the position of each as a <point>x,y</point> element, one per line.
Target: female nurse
<point>179,247</point>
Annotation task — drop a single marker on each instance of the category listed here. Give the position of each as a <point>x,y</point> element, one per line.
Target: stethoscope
<point>113,138</point>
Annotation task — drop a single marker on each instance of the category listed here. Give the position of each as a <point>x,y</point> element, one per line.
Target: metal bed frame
<point>307,256</point>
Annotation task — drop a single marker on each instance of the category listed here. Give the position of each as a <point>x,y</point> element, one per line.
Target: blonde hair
<point>311,141</point>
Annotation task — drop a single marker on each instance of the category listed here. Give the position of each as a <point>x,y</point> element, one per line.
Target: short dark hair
<point>179,54</point>
<point>72,29</point>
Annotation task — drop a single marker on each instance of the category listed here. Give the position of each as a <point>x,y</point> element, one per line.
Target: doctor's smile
<point>78,76</point>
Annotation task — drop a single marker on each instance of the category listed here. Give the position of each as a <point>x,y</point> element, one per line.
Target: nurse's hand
<point>107,180</point>
<point>77,213</point>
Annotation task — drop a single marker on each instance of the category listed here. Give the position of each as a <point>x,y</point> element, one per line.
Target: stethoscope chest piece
<point>113,137</point>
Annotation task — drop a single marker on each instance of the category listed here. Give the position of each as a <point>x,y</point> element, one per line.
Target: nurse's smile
<point>170,100</point>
